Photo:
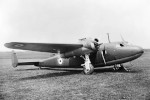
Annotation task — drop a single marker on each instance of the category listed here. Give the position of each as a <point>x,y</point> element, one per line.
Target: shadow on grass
<point>69,69</point>
<point>1,97</point>
<point>98,70</point>
<point>136,70</point>
<point>71,72</point>
<point>27,69</point>
<point>1,92</point>
<point>59,73</point>
<point>49,75</point>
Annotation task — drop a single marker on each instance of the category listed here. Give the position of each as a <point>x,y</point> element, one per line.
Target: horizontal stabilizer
<point>15,62</point>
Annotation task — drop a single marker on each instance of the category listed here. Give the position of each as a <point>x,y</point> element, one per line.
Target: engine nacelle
<point>88,46</point>
<point>89,43</point>
<point>77,52</point>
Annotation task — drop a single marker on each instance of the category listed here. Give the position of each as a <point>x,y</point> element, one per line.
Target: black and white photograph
<point>74,50</point>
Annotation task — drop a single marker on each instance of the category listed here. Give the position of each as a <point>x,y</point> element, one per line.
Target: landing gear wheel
<point>89,70</point>
<point>116,67</point>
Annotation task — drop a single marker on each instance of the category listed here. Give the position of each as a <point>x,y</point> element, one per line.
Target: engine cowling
<point>89,46</point>
<point>89,43</point>
<point>77,52</point>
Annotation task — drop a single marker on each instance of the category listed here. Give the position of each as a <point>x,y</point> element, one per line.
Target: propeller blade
<point>108,37</point>
<point>123,40</point>
<point>102,53</point>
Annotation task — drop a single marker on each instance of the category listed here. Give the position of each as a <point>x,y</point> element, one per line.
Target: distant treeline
<point>146,50</point>
<point>26,55</point>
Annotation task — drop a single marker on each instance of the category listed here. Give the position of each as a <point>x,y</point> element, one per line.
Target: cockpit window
<point>122,45</point>
<point>119,45</point>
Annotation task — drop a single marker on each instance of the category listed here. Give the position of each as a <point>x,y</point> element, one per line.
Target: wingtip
<point>7,45</point>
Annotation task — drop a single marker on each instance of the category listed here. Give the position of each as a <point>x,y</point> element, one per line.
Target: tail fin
<point>15,62</point>
<point>108,38</point>
<point>14,59</point>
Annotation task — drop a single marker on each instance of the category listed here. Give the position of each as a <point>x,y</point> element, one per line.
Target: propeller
<point>108,37</point>
<point>123,40</point>
<point>102,52</point>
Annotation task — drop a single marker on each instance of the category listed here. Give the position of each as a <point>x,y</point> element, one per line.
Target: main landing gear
<point>120,67</point>
<point>88,68</point>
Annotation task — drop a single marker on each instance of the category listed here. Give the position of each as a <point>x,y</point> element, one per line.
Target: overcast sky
<point>66,21</point>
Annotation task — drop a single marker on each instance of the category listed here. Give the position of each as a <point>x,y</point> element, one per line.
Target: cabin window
<point>122,45</point>
<point>119,45</point>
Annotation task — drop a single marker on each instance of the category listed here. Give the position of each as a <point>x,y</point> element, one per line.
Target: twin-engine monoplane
<point>88,54</point>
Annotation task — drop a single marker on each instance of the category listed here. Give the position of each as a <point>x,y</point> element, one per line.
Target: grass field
<point>29,83</point>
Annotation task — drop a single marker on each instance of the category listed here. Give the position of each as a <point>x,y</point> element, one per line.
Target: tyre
<point>88,71</point>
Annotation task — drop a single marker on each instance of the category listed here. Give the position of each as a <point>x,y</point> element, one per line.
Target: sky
<point>66,21</point>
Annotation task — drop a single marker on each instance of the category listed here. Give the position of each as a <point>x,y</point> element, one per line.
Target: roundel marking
<point>19,45</point>
<point>60,61</point>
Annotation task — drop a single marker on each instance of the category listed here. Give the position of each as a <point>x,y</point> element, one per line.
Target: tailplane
<point>15,62</point>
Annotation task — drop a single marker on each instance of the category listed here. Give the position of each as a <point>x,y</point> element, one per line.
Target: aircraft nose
<point>138,50</point>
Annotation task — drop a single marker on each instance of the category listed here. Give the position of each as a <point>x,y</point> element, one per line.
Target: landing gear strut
<point>88,68</point>
<point>120,67</point>
<point>40,68</point>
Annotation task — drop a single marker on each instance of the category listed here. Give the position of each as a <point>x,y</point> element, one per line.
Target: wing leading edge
<point>43,47</point>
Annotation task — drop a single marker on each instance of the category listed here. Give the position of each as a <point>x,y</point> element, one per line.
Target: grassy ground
<point>29,83</point>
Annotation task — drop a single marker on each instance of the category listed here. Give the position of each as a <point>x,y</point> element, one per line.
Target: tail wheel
<point>89,70</point>
<point>120,67</point>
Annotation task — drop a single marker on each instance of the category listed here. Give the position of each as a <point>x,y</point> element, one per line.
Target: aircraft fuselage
<point>106,55</point>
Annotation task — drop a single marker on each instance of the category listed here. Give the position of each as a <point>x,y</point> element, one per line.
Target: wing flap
<point>43,47</point>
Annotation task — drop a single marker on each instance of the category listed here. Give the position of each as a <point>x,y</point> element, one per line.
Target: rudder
<point>14,59</point>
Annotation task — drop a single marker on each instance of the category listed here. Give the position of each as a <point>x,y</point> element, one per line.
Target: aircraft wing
<point>44,47</point>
